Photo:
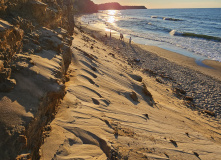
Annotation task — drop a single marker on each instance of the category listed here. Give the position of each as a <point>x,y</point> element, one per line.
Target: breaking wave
<point>193,35</point>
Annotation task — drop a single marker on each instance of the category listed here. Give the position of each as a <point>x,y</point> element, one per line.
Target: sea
<point>194,33</point>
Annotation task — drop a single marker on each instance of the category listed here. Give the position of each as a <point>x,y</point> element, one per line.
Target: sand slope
<point>112,111</point>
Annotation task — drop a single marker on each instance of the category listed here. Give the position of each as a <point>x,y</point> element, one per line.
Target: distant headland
<point>117,6</point>
<point>88,6</point>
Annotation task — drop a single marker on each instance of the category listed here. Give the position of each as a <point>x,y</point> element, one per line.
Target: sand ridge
<point>106,113</point>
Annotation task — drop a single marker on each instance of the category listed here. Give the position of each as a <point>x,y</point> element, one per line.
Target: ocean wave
<point>187,34</point>
<point>176,33</point>
<point>171,19</point>
<point>167,18</point>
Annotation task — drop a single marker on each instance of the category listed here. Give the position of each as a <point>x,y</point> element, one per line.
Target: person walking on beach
<point>130,41</point>
<point>121,36</point>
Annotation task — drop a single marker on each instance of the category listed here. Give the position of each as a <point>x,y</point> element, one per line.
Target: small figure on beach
<point>130,40</point>
<point>121,36</point>
<point>110,33</point>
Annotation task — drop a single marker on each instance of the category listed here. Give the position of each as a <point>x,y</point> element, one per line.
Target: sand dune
<point>115,110</point>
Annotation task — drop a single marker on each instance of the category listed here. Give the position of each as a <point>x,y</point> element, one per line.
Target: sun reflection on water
<point>111,18</point>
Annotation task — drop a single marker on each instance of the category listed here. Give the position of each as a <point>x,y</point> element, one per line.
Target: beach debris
<point>174,143</point>
<point>211,113</point>
<point>196,154</point>
<point>92,47</point>
<point>133,95</point>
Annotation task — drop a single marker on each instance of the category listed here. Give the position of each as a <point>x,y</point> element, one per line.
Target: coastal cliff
<point>85,6</point>
<point>35,53</point>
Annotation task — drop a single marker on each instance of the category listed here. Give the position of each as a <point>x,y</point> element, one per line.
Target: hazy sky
<point>168,3</point>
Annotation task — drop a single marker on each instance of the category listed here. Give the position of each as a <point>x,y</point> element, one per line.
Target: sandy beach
<point>135,102</point>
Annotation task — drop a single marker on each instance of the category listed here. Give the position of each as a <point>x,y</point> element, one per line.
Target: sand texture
<point>121,105</point>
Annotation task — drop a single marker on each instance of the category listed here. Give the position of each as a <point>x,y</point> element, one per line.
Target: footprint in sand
<point>85,78</point>
<point>136,77</point>
<point>90,73</point>
<point>89,65</point>
<point>95,101</point>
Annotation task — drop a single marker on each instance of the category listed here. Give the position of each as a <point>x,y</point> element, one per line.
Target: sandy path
<point>107,115</point>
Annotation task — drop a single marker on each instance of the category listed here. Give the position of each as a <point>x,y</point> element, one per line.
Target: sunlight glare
<point>111,18</point>
<point>112,12</point>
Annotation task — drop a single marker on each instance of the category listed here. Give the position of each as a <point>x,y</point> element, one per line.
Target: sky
<point>168,3</point>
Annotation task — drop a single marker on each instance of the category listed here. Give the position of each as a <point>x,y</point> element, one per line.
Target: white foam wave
<point>176,33</point>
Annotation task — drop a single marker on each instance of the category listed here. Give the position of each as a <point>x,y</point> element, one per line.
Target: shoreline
<point>208,67</point>
<point>180,71</point>
<point>199,57</point>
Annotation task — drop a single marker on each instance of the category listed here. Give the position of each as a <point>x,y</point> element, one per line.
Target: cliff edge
<point>35,53</point>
